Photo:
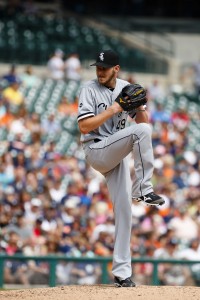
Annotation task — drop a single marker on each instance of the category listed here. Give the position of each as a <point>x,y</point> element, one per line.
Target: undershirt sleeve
<point>132,114</point>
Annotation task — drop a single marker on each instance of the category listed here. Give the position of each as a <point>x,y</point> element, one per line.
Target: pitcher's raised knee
<point>143,128</point>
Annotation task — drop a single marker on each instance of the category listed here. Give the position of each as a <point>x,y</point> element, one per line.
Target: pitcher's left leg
<point>119,186</point>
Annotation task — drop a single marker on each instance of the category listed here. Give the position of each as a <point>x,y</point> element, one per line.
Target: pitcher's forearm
<point>88,124</point>
<point>141,116</point>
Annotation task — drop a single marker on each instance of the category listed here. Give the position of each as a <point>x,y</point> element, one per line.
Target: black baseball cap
<point>106,59</point>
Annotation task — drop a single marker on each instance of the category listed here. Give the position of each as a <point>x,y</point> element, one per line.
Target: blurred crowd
<point>52,203</point>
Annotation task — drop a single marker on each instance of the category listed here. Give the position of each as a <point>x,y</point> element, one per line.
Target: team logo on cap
<point>101,56</point>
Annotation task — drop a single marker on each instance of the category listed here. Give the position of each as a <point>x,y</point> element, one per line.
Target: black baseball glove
<point>131,97</point>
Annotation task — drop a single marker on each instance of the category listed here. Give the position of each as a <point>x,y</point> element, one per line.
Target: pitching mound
<point>104,292</point>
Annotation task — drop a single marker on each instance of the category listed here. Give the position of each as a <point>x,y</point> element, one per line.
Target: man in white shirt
<point>73,67</point>
<point>55,65</point>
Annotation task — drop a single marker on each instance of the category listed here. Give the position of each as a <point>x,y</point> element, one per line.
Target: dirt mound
<point>104,292</point>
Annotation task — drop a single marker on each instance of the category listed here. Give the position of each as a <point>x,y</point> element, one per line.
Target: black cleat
<point>124,283</point>
<point>151,199</point>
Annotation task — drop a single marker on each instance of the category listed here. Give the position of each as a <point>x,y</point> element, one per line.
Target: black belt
<point>97,140</point>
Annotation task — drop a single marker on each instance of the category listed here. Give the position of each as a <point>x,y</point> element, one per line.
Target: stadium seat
<point>37,38</point>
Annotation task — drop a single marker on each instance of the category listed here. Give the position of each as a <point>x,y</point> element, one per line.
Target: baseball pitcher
<point>104,105</point>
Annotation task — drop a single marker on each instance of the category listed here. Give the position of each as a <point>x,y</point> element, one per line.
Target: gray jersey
<point>94,98</point>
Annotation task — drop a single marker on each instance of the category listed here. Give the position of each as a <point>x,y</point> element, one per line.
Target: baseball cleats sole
<point>151,199</point>
<point>124,283</point>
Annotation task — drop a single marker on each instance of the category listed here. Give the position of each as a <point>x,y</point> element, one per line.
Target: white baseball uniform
<point>106,149</point>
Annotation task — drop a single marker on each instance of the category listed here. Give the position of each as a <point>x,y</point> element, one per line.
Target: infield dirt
<point>104,292</point>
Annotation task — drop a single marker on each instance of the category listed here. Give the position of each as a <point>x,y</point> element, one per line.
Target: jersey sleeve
<point>86,106</point>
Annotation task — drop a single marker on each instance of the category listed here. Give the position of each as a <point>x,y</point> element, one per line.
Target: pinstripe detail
<point>111,143</point>
<point>142,168</point>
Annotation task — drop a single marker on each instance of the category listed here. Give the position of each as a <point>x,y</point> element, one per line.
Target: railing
<point>54,259</point>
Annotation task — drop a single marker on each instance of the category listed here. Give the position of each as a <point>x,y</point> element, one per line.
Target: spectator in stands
<point>17,126</point>
<point>172,274</point>
<point>106,227</point>
<point>5,177</point>
<point>6,117</point>
<point>13,96</point>
<point>73,67</point>
<point>20,227</point>
<point>67,108</point>
<point>3,108</point>
<point>28,78</point>
<point>11,76</point>
<point>85,273</point>
<point>69,210</point>
<point>56,66</point>
<point>9,169</point>
<point>50,154</point>
<point>33,125</point>
<point>191,252</point>
<point>72,191</point>
<point>38,272</point>
<point>56,190</point>
<point>155,94</point>
<point>33,210</point>
<point>63,271</point>
<point>50,126</point>
<point>14,271</point>
<point>180,118</point>
<point>155,91</point>
<point>159,114</point>
<point>51,220</point>
<point>185,228</point>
